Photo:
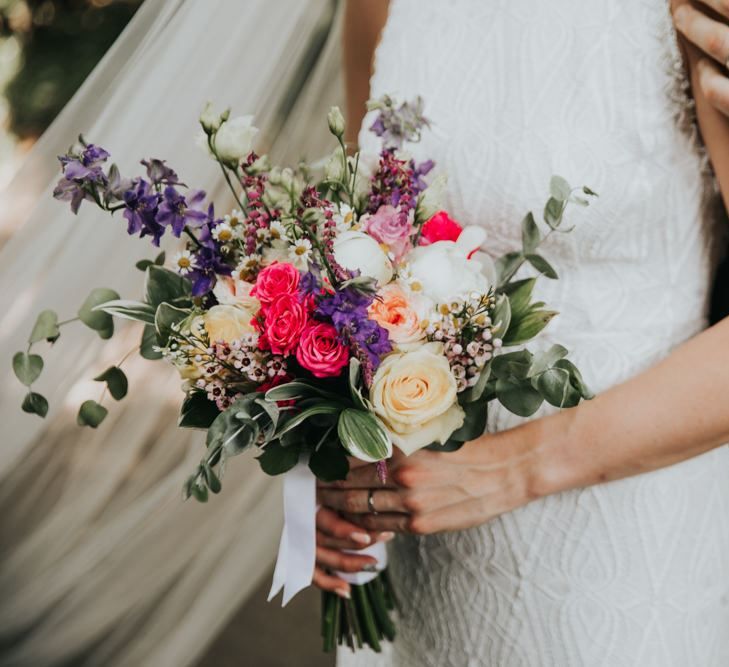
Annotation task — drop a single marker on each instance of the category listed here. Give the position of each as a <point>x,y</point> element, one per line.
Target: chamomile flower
<point>223,233</point>
<point>248,266</point>
<point>183,262</point>
<point>236,221</point>
<point>300,253</point>
<point>277,230</point>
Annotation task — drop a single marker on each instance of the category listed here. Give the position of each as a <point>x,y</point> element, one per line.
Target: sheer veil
<point>102,562</point>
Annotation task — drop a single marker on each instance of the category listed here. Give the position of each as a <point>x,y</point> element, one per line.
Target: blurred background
<point>47,49</point>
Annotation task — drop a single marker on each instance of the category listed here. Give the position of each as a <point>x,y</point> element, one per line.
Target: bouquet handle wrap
<point>297,549</point>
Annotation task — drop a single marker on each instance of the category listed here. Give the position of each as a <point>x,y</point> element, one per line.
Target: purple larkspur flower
<point>140,211</point>
<point>176,210</point>
<point>159,173</point>
<point>83,176</point>
<point>396,125</point>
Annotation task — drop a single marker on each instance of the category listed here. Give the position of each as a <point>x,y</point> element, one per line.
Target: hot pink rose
<point>390,226</point>
<point>441,227</point>
<point>284,320</point>
<point>279,278</point>
<point>321,351</point>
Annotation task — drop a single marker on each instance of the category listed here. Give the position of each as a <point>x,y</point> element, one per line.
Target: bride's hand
<point>706,26</point>
<point>432,491</point>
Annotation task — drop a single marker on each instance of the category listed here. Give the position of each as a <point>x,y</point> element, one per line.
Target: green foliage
<point>528,326</point>
<point>197,411</point>
<point>329,462</point>
<point>164,286</point>
<point>363,436</point>
<point>45,327</point>
<point>129,310</point>
<point>530,236</point>
<point>98,320</point>
<point>277,459</point>
<point>91,414</point>
<point>116,382</point>
<point>36,404</point>
<point>27,367</point>
<point>166,319</point>
<point>148,343</point>
<point>144,264</point>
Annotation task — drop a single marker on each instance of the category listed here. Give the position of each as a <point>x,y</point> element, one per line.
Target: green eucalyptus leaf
<point>197,411</point>
<point>542,265</point>
<point>296,390</point>
<point>589,192</point>
<point>91,414</point>
<point>528,327</point>
<point>129,310</point>
<point>35,404</point>
<point>160,259</point>
<point>277,459</point>
<point>476,391</point>
<point>329,464</point>
<point>363,436</point>
<point>165,319</point>
<point>530,236</point>
<point>165,286</point>
<point>545,360</point>
<point>199,492</point>
<point>512,365</point>
<point>211,479</point>
<point>98,320</point>
<point>116,382</point>
<point>554,386</point>
<point>148,344</point>
<point>559,188</point>
<point>576,378</point>
<point>45,328</point>
<point>553,211</point>
<point>144,264</point>
<point>520,398</point>
<point>27,367</point>
<point>507,265</point>
<point>474,423</point>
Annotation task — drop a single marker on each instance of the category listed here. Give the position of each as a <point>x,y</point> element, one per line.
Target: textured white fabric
<point>635,572</point>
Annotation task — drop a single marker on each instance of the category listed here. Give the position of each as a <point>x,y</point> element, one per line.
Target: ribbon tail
<point>297,549</point>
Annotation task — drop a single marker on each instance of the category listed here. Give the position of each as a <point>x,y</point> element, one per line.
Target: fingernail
<point>385,537</point>
<point>370,567</point>
<point>343,593</point>
<point>362,538</point>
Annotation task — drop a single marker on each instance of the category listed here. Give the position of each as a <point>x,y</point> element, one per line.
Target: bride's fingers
<point>328,582</point>
<point>392,522</point>
<point>356,501</point>
<point>719,6</point>
<point>708,34</point>
<point>714,83</point>
<point>332,524</point>
<point>324,540</point>
<point>344,562</point>
<point>361,477</point>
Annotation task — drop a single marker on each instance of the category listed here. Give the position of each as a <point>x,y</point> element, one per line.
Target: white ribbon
<point>297,549</point>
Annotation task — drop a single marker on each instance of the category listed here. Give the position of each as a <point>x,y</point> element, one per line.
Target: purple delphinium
<point>83,176</point>
<point>397,124</point>
<point>159,173</point>
<point>209,259</point>
<point>141,204</point>
<point>176,210</point>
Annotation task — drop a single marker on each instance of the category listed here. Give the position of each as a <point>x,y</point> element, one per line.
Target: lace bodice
<point>633,572</point>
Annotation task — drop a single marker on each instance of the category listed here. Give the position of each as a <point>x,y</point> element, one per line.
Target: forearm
<point>669,413</point>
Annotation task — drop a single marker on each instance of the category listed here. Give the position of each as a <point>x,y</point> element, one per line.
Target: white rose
<point>443,271</point>
<point>226,324</point>
<point>234,139</point>
<point>415,395</point>
<point>357,251</point>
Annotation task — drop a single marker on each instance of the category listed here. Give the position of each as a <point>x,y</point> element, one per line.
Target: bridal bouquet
<point>328,315</point>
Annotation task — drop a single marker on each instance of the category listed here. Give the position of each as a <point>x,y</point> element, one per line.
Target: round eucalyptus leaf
<point>45,327</point>
<point>91,414</point>
<point>35,404</point>
<point>98,320</point>
<point>27,367</point>
<point>116,382</point>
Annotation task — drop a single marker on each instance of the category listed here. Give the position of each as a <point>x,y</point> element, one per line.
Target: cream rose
<point>358,251</point>
<point>414,394</point>
<point>225,323</point>
<point>231,291</point>
<point>234,140</point>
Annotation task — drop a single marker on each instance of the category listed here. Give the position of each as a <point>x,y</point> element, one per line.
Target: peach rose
<point>394,310</point>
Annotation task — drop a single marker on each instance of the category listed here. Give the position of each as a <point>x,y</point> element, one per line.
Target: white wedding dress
<point>634,572</point>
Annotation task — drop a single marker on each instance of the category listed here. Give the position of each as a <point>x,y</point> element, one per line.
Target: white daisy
<point>236,221</point>
<point>183,262</point>
<point>223,233</point>
<point>278,231</point>
<point>300,253</point>
<point>248,266</point>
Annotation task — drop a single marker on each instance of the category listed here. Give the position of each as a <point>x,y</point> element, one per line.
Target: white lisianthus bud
<point>287,178</point>
<point>234,140</point>
<point>336,122</point>
<point>209,120</point>
<point>334,168</point>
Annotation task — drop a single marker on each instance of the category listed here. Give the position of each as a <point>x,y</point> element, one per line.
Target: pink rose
<point>321,351</point>
<point>441,227</point>
<point>283,322</point>
<point>390,226</point>
<point>274,280</point>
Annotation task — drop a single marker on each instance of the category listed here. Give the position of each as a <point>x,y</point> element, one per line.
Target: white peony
<point>358,251</point>
<point>443,272</point>
<point>234,140</point>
